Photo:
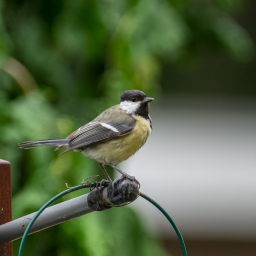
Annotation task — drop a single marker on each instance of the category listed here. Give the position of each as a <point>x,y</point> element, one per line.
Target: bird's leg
<point>132,178</point>
<point>105,172</point>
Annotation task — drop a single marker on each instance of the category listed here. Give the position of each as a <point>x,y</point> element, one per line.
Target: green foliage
<point>62,63</point>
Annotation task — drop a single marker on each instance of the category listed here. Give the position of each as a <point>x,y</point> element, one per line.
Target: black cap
<point>133,95</point>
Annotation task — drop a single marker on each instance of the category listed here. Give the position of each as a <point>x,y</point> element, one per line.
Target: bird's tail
<point>43,143</point>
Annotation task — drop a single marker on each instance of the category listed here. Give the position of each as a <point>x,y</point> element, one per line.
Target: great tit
<point>113,136</point>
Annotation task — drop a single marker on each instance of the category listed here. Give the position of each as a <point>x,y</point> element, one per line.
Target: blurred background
<point>63,62</point>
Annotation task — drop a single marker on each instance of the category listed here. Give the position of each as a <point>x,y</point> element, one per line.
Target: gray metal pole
<point>50,216</point>
<point>120,192</point>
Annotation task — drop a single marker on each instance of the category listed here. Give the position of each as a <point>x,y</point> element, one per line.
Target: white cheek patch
<point>129,107</point>
<point>110,127</point>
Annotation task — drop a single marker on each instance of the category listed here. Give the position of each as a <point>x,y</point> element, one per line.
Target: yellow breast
<point>119,149</point>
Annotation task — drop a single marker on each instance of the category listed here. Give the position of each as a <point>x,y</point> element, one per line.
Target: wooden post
<point>5,202</point>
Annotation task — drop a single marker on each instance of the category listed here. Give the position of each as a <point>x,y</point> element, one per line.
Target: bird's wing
<point>102,128</point>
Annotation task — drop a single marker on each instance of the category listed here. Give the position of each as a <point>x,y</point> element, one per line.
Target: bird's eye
<point>133,99</point>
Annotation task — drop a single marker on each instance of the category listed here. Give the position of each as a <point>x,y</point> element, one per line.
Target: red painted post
<point>5,202</point>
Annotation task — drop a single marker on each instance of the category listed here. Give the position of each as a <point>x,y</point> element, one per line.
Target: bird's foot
<point>102,182</point>
<point>89,182</point>
<point>132,178</point>
<point>125,176</point>
<point>83,183</point>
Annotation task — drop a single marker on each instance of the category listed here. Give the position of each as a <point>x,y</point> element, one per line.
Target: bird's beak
<point>147,99</point>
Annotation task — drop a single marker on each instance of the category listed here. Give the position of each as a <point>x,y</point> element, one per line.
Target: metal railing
<point>104,196</point>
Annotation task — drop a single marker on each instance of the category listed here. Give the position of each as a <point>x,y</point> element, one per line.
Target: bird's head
<point>135,102</point>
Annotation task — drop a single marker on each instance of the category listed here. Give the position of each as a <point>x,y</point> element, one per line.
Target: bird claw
<point>125,176</point>
<point>83,183</point>
<point>132,178</point>
<point>104,182</point>
<point>89,182</point>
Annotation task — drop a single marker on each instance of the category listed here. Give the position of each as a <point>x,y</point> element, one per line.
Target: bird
<point>112,137</point>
